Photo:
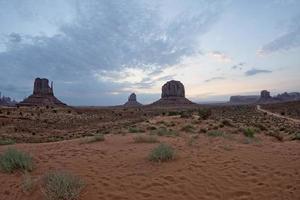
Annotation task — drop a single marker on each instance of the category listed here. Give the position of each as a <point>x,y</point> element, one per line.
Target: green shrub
<point>161,153</point>
<point>7,141</point>
<point>215,133</point>
<point>27,183</point>
<point>13,159</point>
<point>249,132</point>
<point>173,113</point>
<point>163,131</point>
<point>297,136</point>
<point>59,185</point>
<point>188,128</point>
<point>204,113</point>
<point>145,139</point>
<point>96,138</point>
<point>135,130</point>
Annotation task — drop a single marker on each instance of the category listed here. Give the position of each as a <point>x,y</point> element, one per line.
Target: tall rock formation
<point>42,95</point>
<point>173,93</point>
<point>132,102</point>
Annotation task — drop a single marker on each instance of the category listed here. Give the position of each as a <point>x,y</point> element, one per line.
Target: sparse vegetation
<point>59,185</point>
<point>188,128</point>
<point>27,182</point>
<point>215,133</point>
<point>297,136</point>
<point>227,122</point>
<point>277,135</point>
<point>96,138</point>
<point>249,132</point>
<point>162,153</point>
<point>145,139</point>
<point>173,113</point>
<point>13,159</point>
<point>192,140</point>
<point>163,131</point>
<point>7,141</point>
<point>135,130</point>
<point>204,113</point>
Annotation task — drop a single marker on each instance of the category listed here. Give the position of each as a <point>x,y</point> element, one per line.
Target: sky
<point>97,52</point>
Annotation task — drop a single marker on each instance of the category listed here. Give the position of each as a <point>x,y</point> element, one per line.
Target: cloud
<point>255,71</point>
<point>238,66</point>
<point>287,41</point>
<point>220,56</point>
<point>107,37</point>
<point>214,79</point>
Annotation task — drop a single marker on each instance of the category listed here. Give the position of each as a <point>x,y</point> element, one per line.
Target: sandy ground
<point>210,168</point>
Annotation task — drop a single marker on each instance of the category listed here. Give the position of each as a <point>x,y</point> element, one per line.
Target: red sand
<point>212,168</point>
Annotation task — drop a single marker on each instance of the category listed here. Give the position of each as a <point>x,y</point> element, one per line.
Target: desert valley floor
<point>213,158</point>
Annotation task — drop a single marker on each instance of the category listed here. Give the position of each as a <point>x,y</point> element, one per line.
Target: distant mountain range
<point>265,97</point>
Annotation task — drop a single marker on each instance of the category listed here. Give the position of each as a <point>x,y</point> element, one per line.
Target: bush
<point>297,136</point>
<point>215,133</point>
<point>188,128</point>
<point>145,139</point>
<point>163,131</point>
<point>135,130</point>
<point>173,113</point>
<point>186,114</point>
<point>161,153</point>
<point>13,159</point>
<point>204,113</point>
<point>227,122</point>
<point>96,138</point>
<point>7,141</point>
<point>249,132</point>
<point>59,185</point>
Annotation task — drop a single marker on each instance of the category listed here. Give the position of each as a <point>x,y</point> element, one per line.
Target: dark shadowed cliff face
<point>42,95</point>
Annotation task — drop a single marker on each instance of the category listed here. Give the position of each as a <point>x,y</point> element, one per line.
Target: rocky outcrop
<point>243,99</point>
<point>292,96</point>
<point>42,95</point>
<point>132,102</point>
<point>173,93</point>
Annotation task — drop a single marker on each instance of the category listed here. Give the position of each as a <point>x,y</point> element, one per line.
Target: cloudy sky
<point>99,51</point>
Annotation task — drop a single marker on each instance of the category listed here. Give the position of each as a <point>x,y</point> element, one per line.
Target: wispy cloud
<point>287,41</point>
<point>215,79</point>
<point>238,66</point>
<point>255,71</point>
<point>220,56</point>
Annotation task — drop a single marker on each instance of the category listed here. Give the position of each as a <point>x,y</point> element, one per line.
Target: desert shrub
<point>161,153</point>
<point>163,131</point>
<point>145,139</point>
<point>204,113</point>
<point>203,130</point>
<point>186,114</point>
<point>261,127</point>
<point>188,128</point>
<point>7,141</point>
<point>215,133</point>
<point>135,130</point>
<point>96,138</point>
<point>277,135</point>
<point>59,185</point>
<point>173,113</point>
<point>297,136</point>
<point>192,140</point>
<point>27,182</point>
<point>151,128</point>
<point>249,132</point>
<point>227,122</point>
<point>13,159</point>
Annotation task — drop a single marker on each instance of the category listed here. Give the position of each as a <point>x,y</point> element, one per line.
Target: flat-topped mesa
<point>173,94</point>
<point>42,95</point>
<point>132,102</point>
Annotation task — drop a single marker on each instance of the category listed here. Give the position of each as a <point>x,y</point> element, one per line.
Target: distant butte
<point>42,95</point>
<point>173,93</point>
<point>132,102</point>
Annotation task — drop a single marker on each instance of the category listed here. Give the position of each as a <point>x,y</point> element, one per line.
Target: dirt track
<point>258,107</point>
